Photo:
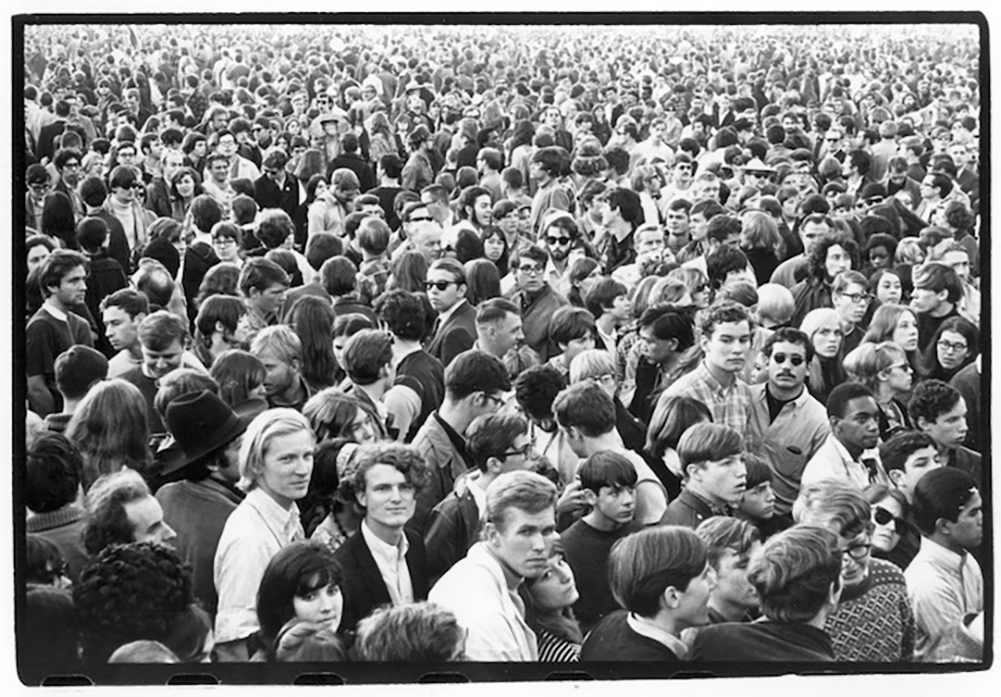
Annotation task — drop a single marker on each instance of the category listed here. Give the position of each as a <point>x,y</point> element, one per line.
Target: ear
<point>671,598</point>
<point>494,465</point>
<point>461,290</point>
<point>943,526</point>
<point>896,478</point>
<point>590,497</point>
<point>219,327</point>
<point>491,533</point>
<point>703,342</point>
<point>563,347</point>
<point>834,593</point>
<point>360,498</point>
<point>693,471</point>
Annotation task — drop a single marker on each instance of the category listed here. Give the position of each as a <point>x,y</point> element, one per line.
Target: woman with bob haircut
<point>301,582</point>
<point>798,579</point>
<point>662,578</point>
<point>334,414</point>
<point>483,280</point>
<point>240,376</point>
<point>185,186</point>
<point>110,429</point>
<point>884,369</point>
<point>276,461</point>
<point>419,632</point>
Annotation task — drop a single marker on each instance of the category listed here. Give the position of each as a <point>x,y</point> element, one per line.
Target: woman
<point>520,152</point>
<point>184,187</point>
<point>889,520</point>
<point>898,324</point>
<point>58,221</point>
<point>381,140</point>
<point>955,345</point>
<point>495,248</point>
<point>584,273</point>
<point>884,369</point>
<point>698,285</point>
<point>826,372</point>
<point>328,516</point>
<point>647,181</point>
<point>110,429</point>
<point>313,318</point>
<point>482,281</point>
<point>240,376</point>
<point>345,327</point>
<point>762,244</point>
<point>315,187</point>
<point>886,286</point>
<point>671,417</point>
<point>548,610</point>
<point>333,414</point>
<point>409,272</point>
<point>301,582</point>
<point>227,242</point>
<point>37,249</point>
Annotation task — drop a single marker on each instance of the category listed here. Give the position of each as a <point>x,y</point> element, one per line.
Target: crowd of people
<point>502,344</point>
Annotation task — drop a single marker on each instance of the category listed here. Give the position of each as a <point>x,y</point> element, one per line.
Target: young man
<point>77,369</point>
<point>725,340</point>
<point>608,482</point>
<point>120,510</point>
<point>536,298</point>
<point>474,383</point>
<point>944,582</point>
<point>608,302</point>
<point>382,563</point>
<point>848,453</point>
<point>280,349</point>
<point>936,296</point>
<point>788,425</point>
<point>455,326</point>
<point>496,444</point>
<point>666,333</point>
<point>621,217</point>
<point>545,168</point>
<point>662,578</point>
<point>571,330</point>
<point>263,284</point>
<point>939,410</point>
<point>873,622</point>
<point>711,459</point>
<point>217,327</point>
<point>499,332</point>
<point>55,328</point>
<point>586,417</point>
<point>730,545</point>
<point>482,589</point>
<point>368,361</point>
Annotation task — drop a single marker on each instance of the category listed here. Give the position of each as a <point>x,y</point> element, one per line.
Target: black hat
<point>200,423</point>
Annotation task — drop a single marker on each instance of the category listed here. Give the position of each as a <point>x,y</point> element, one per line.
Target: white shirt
<point>833,461</point>
<point>392,563</point>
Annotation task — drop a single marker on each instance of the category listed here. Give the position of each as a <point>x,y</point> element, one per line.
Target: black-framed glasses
<point>494,398</point>
<point>795,359</point>
<point>857,298</point>
<point>558,240</point>
<point>947,345</point>
<point>859,552</point>
<point>520,451</point>
<point>530,270</point>
<point>884,517</point>
<point>440,285</point>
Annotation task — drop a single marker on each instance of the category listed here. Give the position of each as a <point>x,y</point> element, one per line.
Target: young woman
<point>301,582</point>
<point>826,372</point>
<point>898,324</point>
<point>548,602</point>
<point>313,318</point>
<point>889,520</point>
<point>483,281</point>
<point>886,286</point>
<point>954,346</point>
<point>884,369</point>
<point>330,517</point>
<point>240,376</point>
<point>333,414</point>
<point>185,185</point>
<point>584,273</point>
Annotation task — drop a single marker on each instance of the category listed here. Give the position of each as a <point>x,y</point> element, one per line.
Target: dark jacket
<point>454,527</point>
<point>688,510</point>
<point>455,335</point>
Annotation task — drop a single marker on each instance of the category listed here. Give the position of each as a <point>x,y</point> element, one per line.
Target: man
<point>663,580</point>
<point>489,162</point>
<point>276,462</point>
<point>873,622</point>
<point>499,332</point>
<point>389,170</point>
<point>280,349</point>
<point>414,216</point>
<point>203,474</point>
<point>730,545</point>
<point>654,147</point>
<point>944,582</point>
<point>482,589</point>
<point>158,191</point>
<point>939,410</point>
<point>586,417</point>
<point>151,149</point>
<point>561,238</point>
<point>263,285</point>
<point>937,293</point>
<point>811,228</point>
<point>217,327</point>
<point>545,167</point>
<point>851,299</point>
<point>787,425</point>
<point>418,172</point>
<point>276,188</point>
<point>714,472</point>
<point>677,224</point>
<point>38,181</point>
<point>217,180</point>
<point>496,444</point>
<point>474,382</point>
<point>122,313</point>
<point>725,340</point>
<point>54,327</point>
<point>455,326</point>
<point>67,162</point>
<point>935,189</point>
<point>382,563</point>
<point>621,217</point>
<point>608,302</point>
<point>120,510</point>
<point>848,453</point>
<point>105,275</point>
<point>77,369</point>
<point>651,250</point>
<point>536,298</point>
<point>666,334</point>
<point>239,167</point>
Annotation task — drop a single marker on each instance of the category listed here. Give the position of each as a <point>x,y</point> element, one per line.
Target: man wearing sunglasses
<point>787,425</point>
<point>455,327</point>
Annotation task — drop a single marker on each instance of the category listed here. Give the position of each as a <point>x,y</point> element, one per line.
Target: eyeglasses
<point>494,398</point>
<point>858,552</point>
<point>903,366</point>
<point>71,165</point>
<point>884,517</point>
<point>271,172</point>
<point>951,346</point>
<point>530,270</point>
<point>857,298</point>
<point>605,379</point>
<point>224,241</point>
<point>38,186</point>
<point>520,451</point>
<point>794,359</point>
<point>440,285</point>
<point>558,240</point>
<point>421,219</point>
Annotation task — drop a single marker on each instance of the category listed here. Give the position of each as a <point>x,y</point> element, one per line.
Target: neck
<point>606,441</point>
<point>607,323</point>
<point>698,488</point>
<point>512,578</point>
<point>455,414</point>
<point>559,264</point>
<point>598,521</point>
<point>730,611</point>
<point>941,310</point>
<point>620,228</point>
<point>57,303</point>
<point>391,535</point>
<point>70,405</point>
<point>723,377</point>
<point>403,348</point>
<point>853,450</point>
<point>784,395</point>
<point>947,542</point>
<point>375,390</point>
<point>293,392</point>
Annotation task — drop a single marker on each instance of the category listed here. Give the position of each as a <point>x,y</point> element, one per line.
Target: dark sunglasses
<point>558,240</point>
<point>781,358</point>
<point>440,285</point>
<point>883,517</point>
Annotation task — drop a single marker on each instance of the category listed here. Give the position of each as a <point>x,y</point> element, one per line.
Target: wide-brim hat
<point>756,165</point>
<point>200,423</point>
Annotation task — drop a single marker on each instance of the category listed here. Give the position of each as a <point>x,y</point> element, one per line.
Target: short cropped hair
<point>794,573</point>
<point>707,442</point>
<point>643,565</point>
<point>420,631</point>
<point>373,235</point>
<point>475,371</point>
<point>607,468</point>
<point>587,407</point>
<point>894,452</point>
<point>941,493</point>
<point>77,368</point>
<point>265,427</point>
<point>521,489</point>
<point>837,400</point>
<point>492,435</point>
<point>494,310</point>
<point>159,330</point>
<point>260,274</point>
<point>52,475</point>
<point>835,504</point>
<point>723,532</point>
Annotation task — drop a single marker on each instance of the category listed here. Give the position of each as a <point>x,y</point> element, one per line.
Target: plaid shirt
<point>729,406</point>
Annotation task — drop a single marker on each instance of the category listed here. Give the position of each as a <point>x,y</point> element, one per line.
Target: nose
<point>168,533</point>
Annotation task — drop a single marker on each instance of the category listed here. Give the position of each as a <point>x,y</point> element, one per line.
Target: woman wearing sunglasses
<point>889,519</point>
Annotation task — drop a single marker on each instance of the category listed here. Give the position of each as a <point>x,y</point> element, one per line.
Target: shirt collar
<point>390,553</point>
<point>646,628</point>
<point>54,311</point>
<point>443,317</point>
<point>942,555</point>
<point>283,523</point>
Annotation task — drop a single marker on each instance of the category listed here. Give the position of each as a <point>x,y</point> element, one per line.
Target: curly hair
<point>53,469</point>
<point>130,592</point>
<point>536,388</point>
<point>403,313</point>
<point>816,262</point>
<point>107,522</point>
<point>417,632</point>
<point>405,458</point>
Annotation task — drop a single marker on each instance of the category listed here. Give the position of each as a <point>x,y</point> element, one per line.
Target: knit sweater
<point>874,622</point>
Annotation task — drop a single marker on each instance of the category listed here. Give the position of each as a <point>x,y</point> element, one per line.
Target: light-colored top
<point>257,530</point>
<point>123,361</point>
<point>730,406</point>
<point>645,628</point>
<point>392,563</point>
<point>476,591</point>
<point>943,587</point>
<point>833,461</point>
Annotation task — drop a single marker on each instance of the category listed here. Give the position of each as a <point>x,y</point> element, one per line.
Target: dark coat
<point>455,335</point>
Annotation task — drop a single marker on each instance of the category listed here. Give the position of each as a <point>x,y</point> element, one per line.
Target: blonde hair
<point>258,436</point>
<point>591,364</point>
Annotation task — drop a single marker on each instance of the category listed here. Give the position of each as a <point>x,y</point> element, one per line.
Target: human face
<point>617,504</point>
<point>838,260</point>
<point>859,428</point>
<point>122,331</point>
<point>219,171</point>
<point>650,243</point>
<point>759,502</point>
<point>427,241</point>
<point>683,173</point>
<point>723,479</point>
<point>443,291</point>
<point>968,530</point>
<point>928,189</point>
<point>656,351</point>
<point>707,190</point>
<point>732,586</point>
<point>528,275</point>
<point>36,255</point>
<point>148,525</point>
<point>576,346</point>
<point>810,232</point>
<point>270,299</point>
<point>71,171</point>
<point>225,248</point>
<point>952,350</point>
<point>280,375</point>
<point>555,588</point>
<point>693,603</point>
<point>159,363</point>
<point>508,333</point>
<point>677,229</point>
<point>949,429</point>
<point>787,366</point>
<point>726,349</point>
<point>827,339</point>
<point>699,226</point>
<point>127,156</point>
<point>72,288</point>
<point>124,194</point>
<point>493,246</point>
<point>288,464</point>
<point>389,499</point>
<point>227,145</point>
<point>621,309</point>
<point>888,289</point>
<point>905,334</point>
<point>851,303</point>
<point>346,194</point>
<point>482,210</point>
<point>518,455</point>
<point>558,242</point>
<point>916,465</point>
<point>509,223</point>
<point>171,163</point>
<point>524,542</point>
<point>960,262</point>
<point>854,558</point>
<point>323,605</point>
<point>900,376</point>
<point>884,535</point>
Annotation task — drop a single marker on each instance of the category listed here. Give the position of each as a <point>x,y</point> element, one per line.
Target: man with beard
<point>561,238</point>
